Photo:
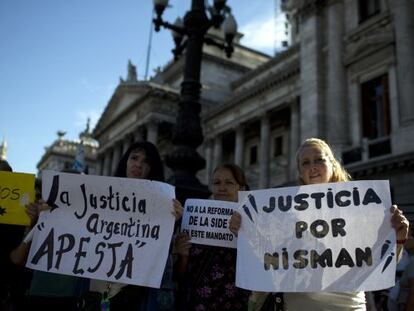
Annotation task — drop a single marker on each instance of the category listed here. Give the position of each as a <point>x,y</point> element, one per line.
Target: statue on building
<point>61,134</point>
<point>132,72</point>
<point>3,150</point>
<point>86,134</point>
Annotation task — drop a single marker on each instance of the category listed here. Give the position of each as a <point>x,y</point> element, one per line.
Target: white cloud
<point>264,34</point>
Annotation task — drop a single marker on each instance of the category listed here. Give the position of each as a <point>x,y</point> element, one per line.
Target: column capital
<point>264,116</point>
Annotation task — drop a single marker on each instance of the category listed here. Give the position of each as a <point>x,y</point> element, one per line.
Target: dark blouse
<point>212,276</point>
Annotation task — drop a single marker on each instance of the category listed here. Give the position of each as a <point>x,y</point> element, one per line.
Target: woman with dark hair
<point>141,161</point>
<point>209,272</point>
<point>151,160</point>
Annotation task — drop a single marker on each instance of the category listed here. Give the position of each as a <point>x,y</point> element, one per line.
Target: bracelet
<point>401,241</point>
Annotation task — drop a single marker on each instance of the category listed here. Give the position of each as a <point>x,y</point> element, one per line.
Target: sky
<point>60,61</point>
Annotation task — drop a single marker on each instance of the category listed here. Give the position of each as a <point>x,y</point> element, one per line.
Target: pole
<point>184,159</point>
<point>149,49</point>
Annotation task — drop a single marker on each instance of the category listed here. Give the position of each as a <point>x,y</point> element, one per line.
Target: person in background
<point>390,296</point>
<point>317,164</point>
<point>14,279</point>
<point>207,272</point>
<point>406,295</point>
<point>141,161</point>
<point>19,255</point>
<point>48,291</point>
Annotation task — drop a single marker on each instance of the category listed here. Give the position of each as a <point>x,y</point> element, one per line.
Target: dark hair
<point>38,188</point>
<point>153,158</point>
<point>237,173</point>
<point>5,166</point>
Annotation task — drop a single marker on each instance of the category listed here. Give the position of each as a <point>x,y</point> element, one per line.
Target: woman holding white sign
<point>208,271</point>
<point>141,161</point>
<point>317,164</point>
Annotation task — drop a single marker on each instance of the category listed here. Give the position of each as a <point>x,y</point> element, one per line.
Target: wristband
<point>401,241</point>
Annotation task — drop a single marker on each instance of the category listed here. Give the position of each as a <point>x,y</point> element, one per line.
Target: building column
<point>217,152</point>
<point>311,76</point>
<point>152,132</point>
<point>355,112</point>
<point>99,166</point>
<point>125,144</point>
<point>336,103</point>
<point>239,152</point>
<point>115,158</point>
<point>209,160</point>
<point>107,163</point>
<point>294,139</point>
<point>138,135</point>
<point>393,95</point>
<point>404,34</point>
<point>264,151</point>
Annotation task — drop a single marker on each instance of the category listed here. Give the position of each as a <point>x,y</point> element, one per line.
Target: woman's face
<point>137,165</point>
<point>314,166</point>
<point>225,187</point>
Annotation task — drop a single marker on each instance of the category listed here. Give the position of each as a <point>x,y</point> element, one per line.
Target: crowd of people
<point>196,277</point>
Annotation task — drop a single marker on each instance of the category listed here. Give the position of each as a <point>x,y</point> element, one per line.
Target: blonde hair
<point>338,171</point>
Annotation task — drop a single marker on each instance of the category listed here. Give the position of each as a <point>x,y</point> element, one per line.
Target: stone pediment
<point>124,96</point>
<point>127,97</point>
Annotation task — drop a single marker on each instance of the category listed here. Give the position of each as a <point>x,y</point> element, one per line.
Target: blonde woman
<point>317,164</point>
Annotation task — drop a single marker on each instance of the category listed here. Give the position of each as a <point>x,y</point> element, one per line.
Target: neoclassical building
<point>347,77</point>
<point>147,109</point>
<point>61,154</point>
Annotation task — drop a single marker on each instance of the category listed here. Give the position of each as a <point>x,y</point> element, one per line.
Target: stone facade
<point>60,155</point>
<point>347,77</point>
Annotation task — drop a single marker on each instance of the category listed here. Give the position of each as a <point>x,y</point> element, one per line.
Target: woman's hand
<point>177,209</point>
<point>33,210</point>
<point>182,244</point>
<point>399,223</point>
<point>182,247</point>
<point>401,227</point>
<point>235,223</point>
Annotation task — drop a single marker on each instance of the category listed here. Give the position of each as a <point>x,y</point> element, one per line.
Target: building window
<point>277,146</point>
<point>375,108</point>
<point>253,155</point>
<point>367,9</point>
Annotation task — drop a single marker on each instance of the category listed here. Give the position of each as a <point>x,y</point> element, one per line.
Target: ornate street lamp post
<point>190,35</point>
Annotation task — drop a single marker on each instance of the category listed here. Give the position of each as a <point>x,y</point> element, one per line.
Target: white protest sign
<point>325,237</point>
<point>207,222</point>
<point>115,229</point>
